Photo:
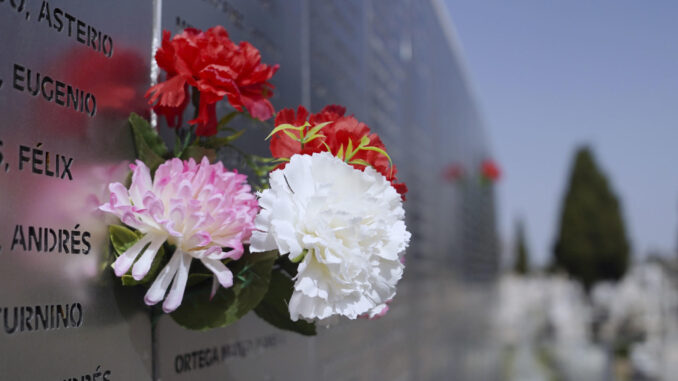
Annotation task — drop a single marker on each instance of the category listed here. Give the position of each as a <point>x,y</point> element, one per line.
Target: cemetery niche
<point>71,75</point>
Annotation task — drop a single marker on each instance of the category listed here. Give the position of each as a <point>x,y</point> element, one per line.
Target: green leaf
<point>149,147</point>
<point>274,307</point>
<point>291,135</point>
<point>196,278</point>
<point>314,137</point>
<point>149,134</point>
<point>261,166</point>
<point>215,142</point>
<point>360,162</point>
<point>313,131</point>
<point>226,119</point>
<point>197,153</point>
<point>122,239</point>
<point>251,277</point>
<point>381,151</point>
<point>300,257</point>
<point>349,150</point>
<point>178,146</point>
<point>285,127</point>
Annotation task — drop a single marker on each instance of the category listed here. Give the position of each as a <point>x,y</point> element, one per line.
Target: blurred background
<point>579,100</point>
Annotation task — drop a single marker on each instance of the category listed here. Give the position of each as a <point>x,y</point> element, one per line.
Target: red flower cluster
<point>217,67</point>
<point>329,130</point>
<point>453,172</point>
<point>490,170</point>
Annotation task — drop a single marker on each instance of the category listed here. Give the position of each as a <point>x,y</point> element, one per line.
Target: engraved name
<point>98,375</point>
<point>235,16</point>
<point>18,5</point>
<point>207,357</point>
<point>48,240</point>
<point>183,24</point>
<point>41,317</point>
<point>51,90</point>
<point>3,164</point>
<point>40,163</point>
<point>84,33</point>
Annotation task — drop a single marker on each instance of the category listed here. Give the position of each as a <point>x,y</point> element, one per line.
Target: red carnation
<point>329,130</point>
<point>290,142</point>
<point>490,170</point>
<point>217,67</point>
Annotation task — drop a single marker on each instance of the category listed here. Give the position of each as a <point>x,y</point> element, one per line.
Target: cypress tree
<point>522,261</point>
<point>592,243</point>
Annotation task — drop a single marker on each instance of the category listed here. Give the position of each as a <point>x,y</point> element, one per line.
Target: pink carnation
<point>199,208</point>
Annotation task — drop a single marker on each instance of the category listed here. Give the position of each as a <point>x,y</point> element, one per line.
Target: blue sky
<point>550,76</point>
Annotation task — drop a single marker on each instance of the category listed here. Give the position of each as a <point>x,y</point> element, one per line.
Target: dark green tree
<point>592,243</point>
<point>522,259</point>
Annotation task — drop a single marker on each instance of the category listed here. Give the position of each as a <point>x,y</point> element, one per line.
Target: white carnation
<point>347,225</point>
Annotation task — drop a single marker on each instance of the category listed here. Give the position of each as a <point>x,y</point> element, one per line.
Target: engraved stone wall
<point>70,73</point>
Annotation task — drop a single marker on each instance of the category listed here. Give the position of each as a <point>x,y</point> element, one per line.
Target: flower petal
<point>159,287</point>
<point>261,241</point>
<point>142,266</point>
<point>126,259</point>
<point>176,293</point>
<point>221,272</point>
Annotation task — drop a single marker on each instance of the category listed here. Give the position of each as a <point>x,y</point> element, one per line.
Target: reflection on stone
<point>72,73</point>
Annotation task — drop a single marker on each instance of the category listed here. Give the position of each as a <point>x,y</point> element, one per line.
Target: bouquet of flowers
<point>325,237</point>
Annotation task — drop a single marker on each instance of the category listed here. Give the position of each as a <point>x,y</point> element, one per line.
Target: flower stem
<point>195,99</point>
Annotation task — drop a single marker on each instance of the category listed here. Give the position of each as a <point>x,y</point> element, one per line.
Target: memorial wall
<point>70,74</point>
